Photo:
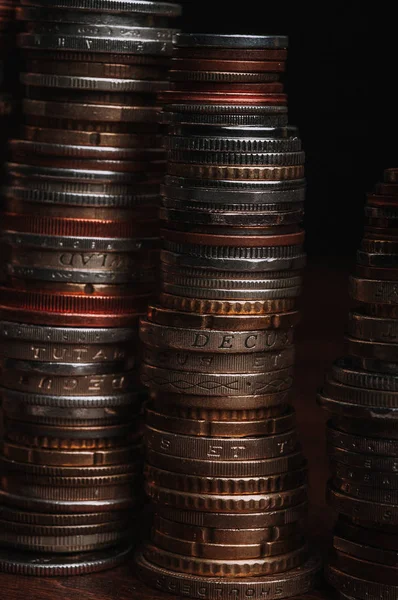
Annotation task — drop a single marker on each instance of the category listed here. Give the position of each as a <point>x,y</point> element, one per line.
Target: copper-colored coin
<point>382,200</point>
<point>376,273</point>
<point>261,241</point>
<point>213,428</point>
<point>208,535</point>
<point>224,551</point>
<point>227,307</point>
<point>174,318</point>
<point>239,173</point>
<point>72,227</point>
<point>225,402</point>
<point>216,81</point>
<point>62,319</point>
<point>197,413</point>
<point>379,245</point>
<point>246,98</point>
<point>257,66</point>
<point>389,311</point>
<point>292,583</point>
<point>225,568</point>
<point>34,301</point>
<point>90,138</point>
<point>70,458</point>
<point>230,54</point>
<point>229,486</point>
<point>226,469</point>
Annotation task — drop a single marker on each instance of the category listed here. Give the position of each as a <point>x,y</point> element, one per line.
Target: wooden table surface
<point>320,341</point>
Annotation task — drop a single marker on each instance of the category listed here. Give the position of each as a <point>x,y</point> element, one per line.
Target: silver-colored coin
<point>139,189</point>
<point>240,218</point>
<point>94,44</point>
<point>222,76</point>
<point>49,196</point>
<point>201,362</point>
<point>233,188</point>
<point>233,144</point>
<point>215,384</point>
<point>231,284</point>
<point>244,42</point>
<point>166,9</point>
<point>345,372</point>
<point>56,368</point>
<point>224,294</point>
<point>82,276</point>
<point>211,340</point>
<point>225,109</point>
<point>38,13</point>
<point>93,83</point>
<point>295,261</point>
<point>242,251</point>
<point>70,402</point>
<point>111,31</point>
<point>64,335</point>
<point>235,158</point>
<point>203,131</point>
<point>228,199</point>
<point>35,172</point>
<point>84,244</point>
<point>171,118</point>
<point>219,449</point>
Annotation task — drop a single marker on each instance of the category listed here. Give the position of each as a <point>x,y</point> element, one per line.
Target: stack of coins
<point>81,233</point>
<point>224,468</point>
<point>361,393</point>
<point>7,14</point>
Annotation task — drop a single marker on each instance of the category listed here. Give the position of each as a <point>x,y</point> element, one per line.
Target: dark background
<point>341,80</point>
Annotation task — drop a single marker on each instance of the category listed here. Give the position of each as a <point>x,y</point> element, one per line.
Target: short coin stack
<point>224,468</point>
<point>81,234</point>
<point>361,393</point>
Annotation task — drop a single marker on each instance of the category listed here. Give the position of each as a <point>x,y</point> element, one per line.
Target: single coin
<point>224,403</point>
<point>224,469</point>
<point>384,465</point>
<point>172,318</point>
<point>371,511</point>
<point>214,428</point>
<point>193,413</point>
<point>357,411</point>
<point>363,492</point>
<point>228,81</point>
<point>223,551</point>
<point>362,427</point>
<point>180,214</point>
<point>295,581</point>
<point>358,586</point>
<point>233,246</point>
<point>244,42</point>
<point>225,172</point>
<point>361,396</point>
<point>376,273</point>
<point>228,143</point>
<point>63,544</point>
<point>361,444</point>
<point>225,120</point>
<point>178,97</point>
<point>373,329</point>
<point>239,108</point>
<point>90,138</point>
<point>208,281</point>
<point>365,476</point>
<point>79,474</point>
<point>211,64</point>
<point>213,384</point>
<point>233,189</point>
<point>378,246</point>
<point>374,291</point>
<point>250,307</point>
<point>388,311</point>
<point>90,112</point>
<point>233,294</point>
<point>71,458</point>
<point>101,70</point>
<point>229,486</point>
<point>234,158</point>
<point>47,565</point>
<point>366,536</point>
<point>217,363</point>
<point>345,371</point>
<point>95,519</point>
<point>212,340</point>
<point>231,568</point>
<point>65,335</point>
<point>231,54</point>
<point>373,354</point>
<point>365,552</point>
<point>166,9</point>
<point>219,449</point>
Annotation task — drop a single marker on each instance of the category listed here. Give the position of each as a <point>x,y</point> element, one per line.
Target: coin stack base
<point>224,467</point>
<point>361,394</point>
<point>81,251</point>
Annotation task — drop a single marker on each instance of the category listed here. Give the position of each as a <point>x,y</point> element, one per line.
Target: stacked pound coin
<point>361,394</point>
<point>224,467</point>
<point>81,239</point>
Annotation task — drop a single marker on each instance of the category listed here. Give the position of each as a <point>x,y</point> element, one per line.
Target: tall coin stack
<point>224,468</point>
<point>82,236</point>
<point>361,393</point>
<point>7,18</point>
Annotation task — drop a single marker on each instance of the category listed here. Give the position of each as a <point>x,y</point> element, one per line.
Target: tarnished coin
<point>365,551</point>
<point>370,511</point>
<point>374,291</point>
<point>358,587</point>
<point>291,583</point>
